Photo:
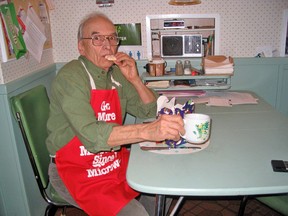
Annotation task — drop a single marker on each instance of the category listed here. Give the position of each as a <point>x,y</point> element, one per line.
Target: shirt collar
<point>93,68</point>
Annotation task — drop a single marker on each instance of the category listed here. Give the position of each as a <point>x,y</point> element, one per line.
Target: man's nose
<point>106,42</point>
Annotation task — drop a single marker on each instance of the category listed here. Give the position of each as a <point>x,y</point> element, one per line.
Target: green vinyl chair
<point>278,203</point>
<point>31,110</point>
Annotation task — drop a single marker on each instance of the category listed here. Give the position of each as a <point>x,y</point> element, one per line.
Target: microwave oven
<point>181,45</point>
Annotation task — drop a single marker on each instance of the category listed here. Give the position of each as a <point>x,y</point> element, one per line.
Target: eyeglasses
<point>98,40</point>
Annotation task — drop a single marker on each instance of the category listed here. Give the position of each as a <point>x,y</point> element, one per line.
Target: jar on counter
<point>157,67</point>
<point>179,68</point>
<point>187,67</point>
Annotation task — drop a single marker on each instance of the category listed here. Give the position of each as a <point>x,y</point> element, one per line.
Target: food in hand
<point>110,57</point>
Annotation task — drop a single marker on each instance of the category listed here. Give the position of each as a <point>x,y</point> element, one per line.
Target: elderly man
<point>89,99</point>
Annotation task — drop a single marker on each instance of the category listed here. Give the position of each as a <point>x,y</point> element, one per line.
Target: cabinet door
<point>282,100</point>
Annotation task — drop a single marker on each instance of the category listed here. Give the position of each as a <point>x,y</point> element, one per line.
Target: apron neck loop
<point>92,83</point>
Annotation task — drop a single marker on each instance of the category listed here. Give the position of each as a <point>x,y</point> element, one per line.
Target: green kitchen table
<point>237,162</point>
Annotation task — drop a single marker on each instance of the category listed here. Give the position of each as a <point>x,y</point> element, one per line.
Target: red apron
<point>97,182</point>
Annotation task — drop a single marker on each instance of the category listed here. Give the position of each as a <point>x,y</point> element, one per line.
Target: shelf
<point>193,88</point>
<point>146,76</point>
<point>205,82</point>
<point>180,30</point>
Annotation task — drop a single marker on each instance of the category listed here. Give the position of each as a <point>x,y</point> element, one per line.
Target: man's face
<point>96,54</point>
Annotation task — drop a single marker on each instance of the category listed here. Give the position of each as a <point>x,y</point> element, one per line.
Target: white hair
<point>88,17</point>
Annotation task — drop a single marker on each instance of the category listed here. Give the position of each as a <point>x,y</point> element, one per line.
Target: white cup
<point>197,127</point>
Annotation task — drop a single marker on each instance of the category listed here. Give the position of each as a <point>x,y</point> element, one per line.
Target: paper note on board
<point>34,35</point>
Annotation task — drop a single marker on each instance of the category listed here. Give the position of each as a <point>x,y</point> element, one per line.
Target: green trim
<point>8,88</point>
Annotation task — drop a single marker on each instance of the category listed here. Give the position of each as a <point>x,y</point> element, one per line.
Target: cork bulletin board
<point>35,3</point>
<point>41,10</point>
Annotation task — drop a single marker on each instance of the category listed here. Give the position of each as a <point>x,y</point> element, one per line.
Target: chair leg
<point>176,207</point>
<point>51,210</point>
<point>242,206</point>
<point>63,213</point>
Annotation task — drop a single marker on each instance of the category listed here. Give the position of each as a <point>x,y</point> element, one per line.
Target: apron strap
<point>115,82</point>
<point>92,83</point>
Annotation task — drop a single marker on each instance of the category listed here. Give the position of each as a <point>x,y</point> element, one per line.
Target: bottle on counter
<point>179,68</point>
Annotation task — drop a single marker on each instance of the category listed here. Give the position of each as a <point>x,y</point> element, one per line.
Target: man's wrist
<point>137,82</point>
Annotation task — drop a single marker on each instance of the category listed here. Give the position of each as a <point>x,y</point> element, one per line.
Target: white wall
<point>244,25</point>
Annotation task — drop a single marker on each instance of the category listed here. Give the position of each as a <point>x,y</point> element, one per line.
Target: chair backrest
<point>31,109</point>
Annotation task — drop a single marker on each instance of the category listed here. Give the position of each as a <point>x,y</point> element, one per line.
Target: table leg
<point>242,206</point>
<point>160,205</point>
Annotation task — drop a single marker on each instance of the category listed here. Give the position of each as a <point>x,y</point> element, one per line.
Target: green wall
<point>19,194</point>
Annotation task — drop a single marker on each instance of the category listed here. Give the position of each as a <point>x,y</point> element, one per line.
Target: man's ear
<point>81,48</point>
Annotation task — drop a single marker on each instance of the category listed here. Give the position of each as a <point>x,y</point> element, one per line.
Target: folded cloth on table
<point>211,71</point>
<point>158,84</point>
<point>218,65</point>
<point>226,98</point>
<point>217,101</point>
<point>242,98</point>
<point>218,61</point>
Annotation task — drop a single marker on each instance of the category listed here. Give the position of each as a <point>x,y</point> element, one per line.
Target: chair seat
<point>55,197</point>
<point>278,203</point>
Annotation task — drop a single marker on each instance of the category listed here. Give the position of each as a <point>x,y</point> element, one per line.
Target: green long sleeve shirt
<point>71,113</point>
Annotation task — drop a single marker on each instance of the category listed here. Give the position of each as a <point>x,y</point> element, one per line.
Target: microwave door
<point>193,45</point>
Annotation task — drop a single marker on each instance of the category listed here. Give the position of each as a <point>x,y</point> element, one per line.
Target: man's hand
<point>165,127</point>
<point>127,66</point>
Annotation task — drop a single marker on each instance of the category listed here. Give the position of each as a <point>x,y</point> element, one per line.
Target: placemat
<point>175,150</point>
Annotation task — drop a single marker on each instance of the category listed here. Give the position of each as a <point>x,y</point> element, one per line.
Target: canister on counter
<point>179,68</point>
<point>157,67</point>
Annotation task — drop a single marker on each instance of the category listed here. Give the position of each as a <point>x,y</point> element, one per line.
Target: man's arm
<point>128,68</point>
<point>165,127</point>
